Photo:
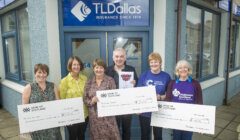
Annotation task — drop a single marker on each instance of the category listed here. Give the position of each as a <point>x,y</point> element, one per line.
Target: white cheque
<point>44,115</point>
<point>188,117</point>
<point>126,101</point>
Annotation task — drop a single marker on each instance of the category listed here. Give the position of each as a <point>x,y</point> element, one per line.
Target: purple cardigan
<point>197,89</point>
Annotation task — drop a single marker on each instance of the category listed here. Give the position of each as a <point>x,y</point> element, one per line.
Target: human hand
<point>133,82</point>
<point>161,97</point>
<point>94,100</point>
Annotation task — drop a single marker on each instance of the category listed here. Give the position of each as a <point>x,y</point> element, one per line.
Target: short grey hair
<point>183,62</point>
<point>119,49</point>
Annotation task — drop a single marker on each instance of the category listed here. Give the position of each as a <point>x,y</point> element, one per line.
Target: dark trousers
<point>146,129</point>
<point>124,124</point>
<point>182,135</point>
<point>77,131</point>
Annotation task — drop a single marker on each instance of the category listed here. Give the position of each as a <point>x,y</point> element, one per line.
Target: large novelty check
<point>44,115</point>
<point>126,101</point>
<point>188,117</point>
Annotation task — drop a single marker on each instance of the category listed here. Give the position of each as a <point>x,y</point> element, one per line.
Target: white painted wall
<point>53,40</point>
<point>159,28</point>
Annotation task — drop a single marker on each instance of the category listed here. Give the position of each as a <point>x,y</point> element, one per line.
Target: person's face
<point>119,58</point>
<point>75,66</point>
<point>40,76</point>
<point>183,71</point>
<point>98,70</point>
<point>154,65</point>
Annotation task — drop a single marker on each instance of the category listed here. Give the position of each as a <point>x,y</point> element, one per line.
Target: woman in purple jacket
<point>184,90</point>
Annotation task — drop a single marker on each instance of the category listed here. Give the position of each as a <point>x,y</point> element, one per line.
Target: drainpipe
<point>179,20</point>
<point>225,102</point>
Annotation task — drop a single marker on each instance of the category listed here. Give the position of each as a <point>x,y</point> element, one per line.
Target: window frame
<point>200,65</point>
<point>18,77</point>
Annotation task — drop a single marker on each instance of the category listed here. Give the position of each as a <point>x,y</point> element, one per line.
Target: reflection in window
<point>8,23</point>
<point>210,45</point>
<point>193,38</point>
<point>24,44</point>
<point>235,46</point>
<point>87,50</point>
<point>202,30</point>
<point>133,47</point>
<point>10,44</point>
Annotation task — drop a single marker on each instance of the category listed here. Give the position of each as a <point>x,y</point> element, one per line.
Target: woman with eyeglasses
<point>184,89</point>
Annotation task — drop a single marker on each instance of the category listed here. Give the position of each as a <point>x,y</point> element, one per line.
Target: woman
<point>41,91</point>
<point>101,128</point>
<point>72,86</point>
<point>184,90</point>
<point>160,79</point>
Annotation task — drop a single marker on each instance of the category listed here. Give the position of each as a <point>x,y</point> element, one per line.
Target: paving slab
<point>232,110</point>
<point>237,119</point>
<point>225,115</point>
<point>9,132</point>
<point>197,136</point>
<point>232,126</point>
<point>228,135</point>
<point>8,122</point>
<point>221,122</point>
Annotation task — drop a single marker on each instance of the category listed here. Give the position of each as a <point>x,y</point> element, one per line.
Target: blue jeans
<point>182,135</point>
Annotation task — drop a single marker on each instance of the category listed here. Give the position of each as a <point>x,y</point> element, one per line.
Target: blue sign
<point>224,4</point>
<point>238,11</point>
<point>105,12</point>
<point>4,3</point>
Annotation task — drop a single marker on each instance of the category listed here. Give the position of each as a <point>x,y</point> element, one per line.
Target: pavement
<point>227,120</point>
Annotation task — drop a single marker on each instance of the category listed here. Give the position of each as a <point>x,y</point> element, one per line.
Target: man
<point>119,58</point>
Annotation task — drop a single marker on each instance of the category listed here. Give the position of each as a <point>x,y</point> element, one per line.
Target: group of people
<point>183,89</point>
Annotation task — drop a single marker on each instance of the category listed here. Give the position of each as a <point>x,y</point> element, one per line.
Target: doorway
<point>91,45</point>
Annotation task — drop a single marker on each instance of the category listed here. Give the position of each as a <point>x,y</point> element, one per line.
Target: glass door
<point>135,44</point>
<point>87,46</point>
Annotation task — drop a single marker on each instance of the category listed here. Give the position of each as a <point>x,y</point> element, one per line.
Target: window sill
<point>234,73</point>
<point>211,82</point>
<point>17,87</point>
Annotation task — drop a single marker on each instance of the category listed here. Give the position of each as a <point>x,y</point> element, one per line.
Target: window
<point>235,46</point>
<point>202,31</point>
<point>17,54</point>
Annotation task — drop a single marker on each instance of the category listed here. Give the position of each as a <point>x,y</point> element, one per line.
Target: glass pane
<point>237,56</point>
<point>87,50</point>
<point>133,47</point>
<point>11,55</point>
<point>193,33</point>
<point>210,45</point>
<point>8,22</point>
<point>232,48</point>
<point>24,44</point>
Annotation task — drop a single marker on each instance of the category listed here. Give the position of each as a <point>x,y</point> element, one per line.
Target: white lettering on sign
<point>120,9</point>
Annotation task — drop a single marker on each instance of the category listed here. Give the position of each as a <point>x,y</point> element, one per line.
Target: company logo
<point>175,92</point>
<point>111,8</point>
<point>81,11</point>
<point>26,109</point>
<point>149,82</point>
<point>104,95</point>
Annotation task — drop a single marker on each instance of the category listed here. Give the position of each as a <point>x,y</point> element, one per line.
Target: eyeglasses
<point>182,68</point>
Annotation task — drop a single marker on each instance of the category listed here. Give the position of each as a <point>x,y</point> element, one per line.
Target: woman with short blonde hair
<point>184,89</point>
